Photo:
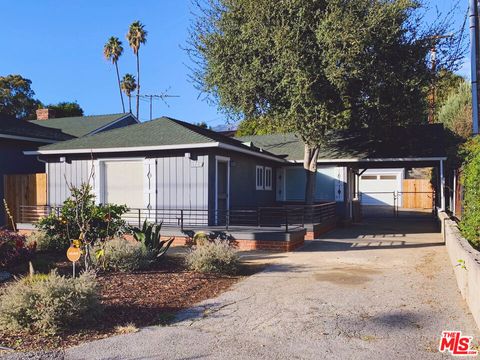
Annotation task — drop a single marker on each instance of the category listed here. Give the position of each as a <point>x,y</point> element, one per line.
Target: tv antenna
<point>151,97</point>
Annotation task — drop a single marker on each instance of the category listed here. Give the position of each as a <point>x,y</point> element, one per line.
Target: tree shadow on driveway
<point>332,245</point>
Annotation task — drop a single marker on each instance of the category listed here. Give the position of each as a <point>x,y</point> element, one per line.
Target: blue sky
<point>58,45</point>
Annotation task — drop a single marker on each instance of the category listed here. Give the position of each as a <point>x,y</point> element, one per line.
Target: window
<point>369,177</point>
<point>268,178</point>
<point>123,183</point>
<point>263,178</point>
<point>388,177</point>
<point>259,177</point>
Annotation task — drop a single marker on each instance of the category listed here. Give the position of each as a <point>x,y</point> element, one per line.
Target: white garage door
<point>378,189</point>
<point>123,183</point>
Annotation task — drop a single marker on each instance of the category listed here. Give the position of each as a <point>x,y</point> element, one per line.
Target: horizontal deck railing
<point>284,217</point>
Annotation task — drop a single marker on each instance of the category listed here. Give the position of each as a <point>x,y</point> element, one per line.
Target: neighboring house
<point>17,136</point>
<point>164,164</point>
<point>78,126</point>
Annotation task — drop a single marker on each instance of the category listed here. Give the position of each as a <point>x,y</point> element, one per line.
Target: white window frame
<point>100,178</point>
<point>268,170</point>
<point>217,160</point>
<point>258,185</point>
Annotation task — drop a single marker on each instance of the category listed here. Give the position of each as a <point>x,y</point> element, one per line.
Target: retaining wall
<point>468,279</point>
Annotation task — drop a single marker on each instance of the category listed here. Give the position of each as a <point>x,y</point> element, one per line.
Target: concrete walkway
<point>381,290</point>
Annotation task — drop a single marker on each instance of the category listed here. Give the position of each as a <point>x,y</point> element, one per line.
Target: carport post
<point>442,187</point>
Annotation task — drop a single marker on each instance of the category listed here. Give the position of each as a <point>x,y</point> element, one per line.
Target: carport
<point>383,158</point>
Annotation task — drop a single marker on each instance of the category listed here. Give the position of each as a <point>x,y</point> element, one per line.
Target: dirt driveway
<point>381,290</point>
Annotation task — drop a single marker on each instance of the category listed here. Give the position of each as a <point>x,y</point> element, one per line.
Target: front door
<point>222,203</point>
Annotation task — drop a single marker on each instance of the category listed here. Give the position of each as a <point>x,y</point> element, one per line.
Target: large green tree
<point>313,66</point>
<point>66,109</point>
<point>17,97</point>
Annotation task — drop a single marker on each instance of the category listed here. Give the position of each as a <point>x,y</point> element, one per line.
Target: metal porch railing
<point>282,217</point>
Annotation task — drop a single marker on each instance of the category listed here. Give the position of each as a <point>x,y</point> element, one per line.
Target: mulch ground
<point>140,298</point>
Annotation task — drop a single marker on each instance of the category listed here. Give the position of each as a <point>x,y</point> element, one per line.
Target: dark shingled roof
<point>14,127</point>
<point>79,125</point>
<point>421,141</point>
<point>159,132</point>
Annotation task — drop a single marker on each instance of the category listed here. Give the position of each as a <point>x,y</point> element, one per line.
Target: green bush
<point>122,255</point>
<point>149,235</point>
<point>43,242</point>
<point>470,223</point>
<point>104,220</point>
<point>214,257</point>
<point>48,304</point>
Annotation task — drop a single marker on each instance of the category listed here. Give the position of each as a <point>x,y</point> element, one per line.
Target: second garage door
<point>378,188</point>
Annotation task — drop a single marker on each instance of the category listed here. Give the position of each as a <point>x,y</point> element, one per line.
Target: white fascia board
<point>152,148</point>
<point>113,123</point>
<point>250,152</point>
<point>125,149</point>
<point>372,160</point>
<point>16,137</point>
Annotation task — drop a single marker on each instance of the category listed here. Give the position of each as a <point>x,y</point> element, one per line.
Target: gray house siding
<point>13,161</point>
<point>243,193</point>
<point>184,179</point>
<point>74,172</point>
<point>182,183</point>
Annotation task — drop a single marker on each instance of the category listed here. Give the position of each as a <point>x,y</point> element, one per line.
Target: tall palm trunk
<point>120,87</point>
<point>138,85</point>
<point>130,103</point>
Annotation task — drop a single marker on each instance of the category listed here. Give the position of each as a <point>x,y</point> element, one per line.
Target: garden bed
<point>141,298</point>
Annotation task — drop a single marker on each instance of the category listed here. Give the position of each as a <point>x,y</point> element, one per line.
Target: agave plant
<point>149,235</point>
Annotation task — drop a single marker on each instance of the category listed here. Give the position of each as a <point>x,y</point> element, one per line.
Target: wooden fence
<point>417,194</point>
<point>25,189</point>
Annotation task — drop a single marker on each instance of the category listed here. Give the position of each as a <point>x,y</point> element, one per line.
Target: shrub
<point>48,304</point>
<point>104,220</point>
<point>122,255</point>
<point>213,257</point>
<point>13,249</point>
<point>43,242</point>
<point>200,239</point>
<point>149,235</point>
<point>470,223</point>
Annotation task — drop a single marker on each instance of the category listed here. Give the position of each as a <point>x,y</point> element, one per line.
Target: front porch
<point>278,228</point>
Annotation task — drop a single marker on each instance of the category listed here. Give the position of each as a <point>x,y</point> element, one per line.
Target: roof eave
<point>112,123</point>
<point>158,147</point>
<point>356,160</point>
<point>29,138</point>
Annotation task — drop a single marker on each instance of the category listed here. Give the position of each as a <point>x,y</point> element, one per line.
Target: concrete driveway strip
<point>381,290</point>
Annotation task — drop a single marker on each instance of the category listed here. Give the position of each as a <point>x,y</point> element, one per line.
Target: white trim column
<point>442,187</point>
<point>150,188</point>
<point>97,179</point>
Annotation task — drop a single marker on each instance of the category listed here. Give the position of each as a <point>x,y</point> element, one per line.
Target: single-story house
<point>164,164</point>
<point>172,171</point>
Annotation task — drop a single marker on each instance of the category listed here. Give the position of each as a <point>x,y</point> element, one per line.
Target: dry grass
<point>126,329</point>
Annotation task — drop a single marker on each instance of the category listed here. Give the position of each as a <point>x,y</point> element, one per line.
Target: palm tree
<point>136,36</point>
<point>128,86</point>
<point>112,51</point>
